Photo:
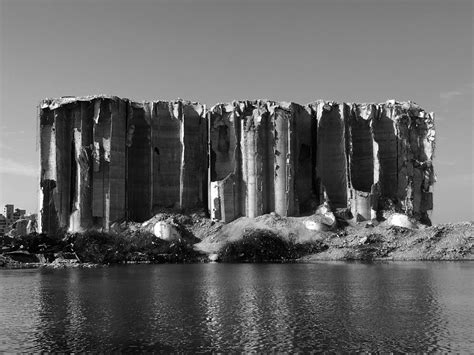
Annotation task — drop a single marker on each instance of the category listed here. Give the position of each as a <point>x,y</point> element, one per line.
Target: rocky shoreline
<point>192,238</point>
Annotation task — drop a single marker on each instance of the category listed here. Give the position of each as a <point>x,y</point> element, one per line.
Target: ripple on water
<point>404,307</point>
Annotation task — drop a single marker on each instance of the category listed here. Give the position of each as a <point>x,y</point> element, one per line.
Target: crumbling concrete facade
<point>106,159</point>
<point>256,149</point>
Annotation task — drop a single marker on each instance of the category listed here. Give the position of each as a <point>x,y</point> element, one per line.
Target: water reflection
<point>407,307</point>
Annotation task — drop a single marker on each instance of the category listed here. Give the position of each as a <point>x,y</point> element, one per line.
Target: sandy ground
<point>360,241</point>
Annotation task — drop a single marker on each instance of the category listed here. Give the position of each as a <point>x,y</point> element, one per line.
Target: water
<point>415,307</point>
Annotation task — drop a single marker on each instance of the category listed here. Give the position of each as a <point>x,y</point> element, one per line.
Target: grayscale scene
<point>236,176</point>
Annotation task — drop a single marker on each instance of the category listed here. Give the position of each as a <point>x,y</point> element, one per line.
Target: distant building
<point>8,211</point>
<point>3,224</point>
<point>10,216</point>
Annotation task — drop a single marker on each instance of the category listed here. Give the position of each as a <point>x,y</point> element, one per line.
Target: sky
<point>220,50</point>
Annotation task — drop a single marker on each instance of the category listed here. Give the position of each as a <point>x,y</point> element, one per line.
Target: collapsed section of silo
<point>390,151</point>
<point>415,133</point>
<point>331,161</point>
<point>362,160</point>
<point>260,159</point>
<point>226,188</point>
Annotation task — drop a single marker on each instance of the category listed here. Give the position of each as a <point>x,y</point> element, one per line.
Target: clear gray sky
<point>213,51</point>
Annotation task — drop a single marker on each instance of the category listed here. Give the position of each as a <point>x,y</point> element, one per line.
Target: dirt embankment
<point>361,241</point>
<point>441,242</point>
<point>178,238</point>
<point>172,242</point>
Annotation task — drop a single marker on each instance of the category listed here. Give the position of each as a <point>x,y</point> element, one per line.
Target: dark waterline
<point>415,307</point>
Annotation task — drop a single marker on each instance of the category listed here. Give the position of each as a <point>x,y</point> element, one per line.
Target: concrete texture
<point>106,159</point>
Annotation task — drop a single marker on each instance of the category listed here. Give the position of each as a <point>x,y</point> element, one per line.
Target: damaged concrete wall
<point>331,162</point>
<point>193,178</point>
<point>361,159</point>
<point>402,146</point>
<point>138,163</point>
<point>167,152</point>
<point>261,155</point>
<point>104,159</point>
<point>225,161</point>
<point>365,158</point>
<point>83,180</point>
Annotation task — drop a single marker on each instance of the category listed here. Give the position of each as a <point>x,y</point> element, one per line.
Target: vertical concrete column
<point>165,137</point>
<point>237,158</point>
<point>62,193</point>
<point>188,126</point>
<point>360,160</point>
<point>260,158</point>
<point>155,153</point>
<point>344,114</point>
<point>239,202</point>
<point>193,172</point>
<point>167,155</point>
<point>148,117</point>
<point>282,154</point>
<point>203,168</point>
<point>332,163</point>
<point>85,187</point>
<point>385,135</point>
<point>290,162</point>
<point>429,175</point>
<point>224,162</point>
<point>227,160</point>
<point>411,162</point>
<point>303,164</point>
<point>402,122</point>
<point>423,175</point>
<point>106,121</point>
<point>264,160</point>
<point>39,190</point>
<point>375,189</point>
<point>178,114</point>
<point>138,164</point>
<point>263,169</point>
<point>318,108</point>
<point>251,178</point>
<point>349,118</point>
<point>213,189</point>
<point>244,169</point>
<point>101,155</point>
<point>97,174</point>
<point>49,220</point>
<point>313,131</point>
<point>75,218</point>
<point>117,191</point>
